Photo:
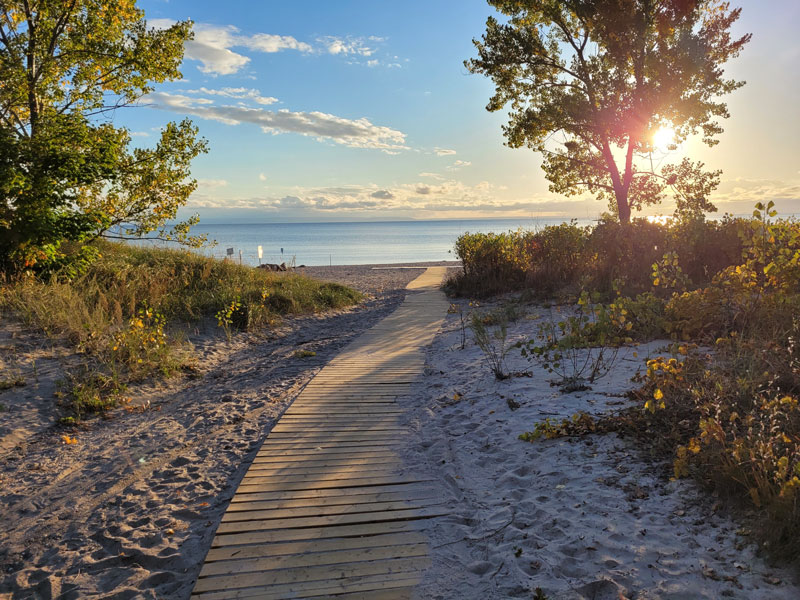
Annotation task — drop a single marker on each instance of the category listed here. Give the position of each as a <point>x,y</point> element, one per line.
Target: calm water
<point>351,243</point>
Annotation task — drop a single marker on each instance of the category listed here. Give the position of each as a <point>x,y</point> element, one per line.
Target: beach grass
<point>129,311</point>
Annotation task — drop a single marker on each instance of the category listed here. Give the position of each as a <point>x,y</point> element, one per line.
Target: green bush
<point>558,259</point>
<point>492,263</point>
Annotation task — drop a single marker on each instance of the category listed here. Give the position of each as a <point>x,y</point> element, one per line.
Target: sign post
<point>260,254</point>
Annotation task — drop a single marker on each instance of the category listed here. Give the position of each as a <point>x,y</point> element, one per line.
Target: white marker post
<point>260,254</point>
<point>240,257</point>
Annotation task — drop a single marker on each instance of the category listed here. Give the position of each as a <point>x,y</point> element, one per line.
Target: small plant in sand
<point>304,353</point>
<point>578,424</point>
<point>142,348</point>
<point>457,309</point>
<point>12,380</point>
<point>225,316</point>
<point>90,391</point>
<point>492,343</point>
<point>582,347</point>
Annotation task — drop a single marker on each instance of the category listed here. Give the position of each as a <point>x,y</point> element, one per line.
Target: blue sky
<point>321,111</point>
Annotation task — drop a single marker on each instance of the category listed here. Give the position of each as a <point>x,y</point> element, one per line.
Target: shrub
<point>622,256</point>
<point>608,258</point>
<point>491,262</point>
<point>558,258</point>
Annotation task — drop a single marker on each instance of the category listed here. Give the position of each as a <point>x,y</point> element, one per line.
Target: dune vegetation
<point>128,310</point>
<point>721,403</point>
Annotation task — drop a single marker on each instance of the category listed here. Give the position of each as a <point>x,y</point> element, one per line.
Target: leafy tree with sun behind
<point>67,175</point>
<point>590,83</point>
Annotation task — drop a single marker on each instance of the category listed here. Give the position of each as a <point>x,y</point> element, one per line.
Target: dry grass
<point>126,313</point>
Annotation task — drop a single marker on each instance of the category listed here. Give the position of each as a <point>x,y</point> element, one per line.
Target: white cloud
<point>348,45</point>
<point>356,133</point>
<point>739,195</point>
<point>445,199</point>
<point>431,175</point>
<point>443,151</point>
<point>212,45</point>
<point>265,42</point>
<point>211,183</point>
<point>458,165</point>
<point>262,177</point>
<point>139,134</point>
<point>238,93</point>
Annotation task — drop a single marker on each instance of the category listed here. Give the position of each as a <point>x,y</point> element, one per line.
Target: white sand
<point>580,518</point>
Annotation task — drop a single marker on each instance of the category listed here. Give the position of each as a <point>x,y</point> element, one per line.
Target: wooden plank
<point>297,437</point>
<point>321,477</point>
<point>254,494</point>
<point>306,469</point>
<point>264,484</point>
<point>328,472</point>
<point>315,455</point>
<point>352,408</point>
<point>325,501</point>
<point>395,593</point>
<point>321,461</point>
<point>320,511</point>
<point>336,428</point>
<point>312,559</point>
<point>347,519</point>
<point>330,444</point>
<point>309,546</point>
<point>354,419</point>
<point>311,574</point>
<point>311,462</point>
<point>317,589</point>
<point>312,533</point>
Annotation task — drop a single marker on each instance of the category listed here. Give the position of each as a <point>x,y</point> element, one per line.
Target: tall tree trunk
<point>623,208</point>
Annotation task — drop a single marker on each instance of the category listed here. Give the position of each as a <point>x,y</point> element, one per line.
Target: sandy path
<point>130,509</point>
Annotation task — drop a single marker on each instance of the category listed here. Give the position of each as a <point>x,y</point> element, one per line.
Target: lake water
<point>315,244</point>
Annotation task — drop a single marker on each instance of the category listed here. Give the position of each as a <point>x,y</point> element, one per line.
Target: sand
<point>131,508</point>
<point>584,518</point>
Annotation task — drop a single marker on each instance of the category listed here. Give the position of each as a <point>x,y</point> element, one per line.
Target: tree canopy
<point>67,174</point>
<point>589,82</point>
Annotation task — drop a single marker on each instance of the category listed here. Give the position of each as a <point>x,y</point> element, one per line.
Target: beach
<point>129,509</point>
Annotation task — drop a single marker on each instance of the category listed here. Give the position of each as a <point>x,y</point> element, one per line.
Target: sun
<point>664,138</point>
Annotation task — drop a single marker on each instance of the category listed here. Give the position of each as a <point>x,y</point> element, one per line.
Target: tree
<point>604,76</point>
<point>66,173</point>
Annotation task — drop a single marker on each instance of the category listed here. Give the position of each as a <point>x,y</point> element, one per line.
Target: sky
<point>361,110</point>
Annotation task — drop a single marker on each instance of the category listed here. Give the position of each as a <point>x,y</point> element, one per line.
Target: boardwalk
<point>326,509</point>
